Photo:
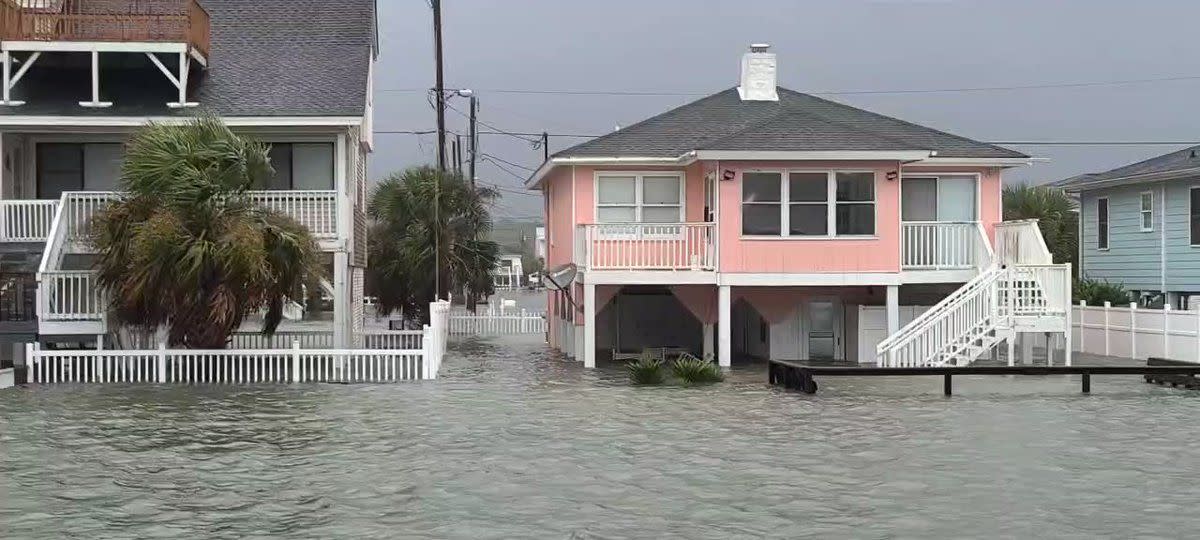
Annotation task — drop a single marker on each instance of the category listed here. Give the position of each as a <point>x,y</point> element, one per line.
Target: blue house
<point>1140,226</point>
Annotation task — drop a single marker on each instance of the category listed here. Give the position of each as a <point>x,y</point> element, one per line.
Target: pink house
<point>763,222</point>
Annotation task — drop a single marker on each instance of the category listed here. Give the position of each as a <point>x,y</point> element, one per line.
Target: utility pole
<point>439,87</point>
<point>474,140</point>
<point>458,154</point>
<point>440,90</point>
<point>545,147</point>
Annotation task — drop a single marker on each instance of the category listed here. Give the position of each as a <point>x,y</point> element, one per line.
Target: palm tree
<point>1055,213</point>
<point>186,248</point>
<point>426,224</point>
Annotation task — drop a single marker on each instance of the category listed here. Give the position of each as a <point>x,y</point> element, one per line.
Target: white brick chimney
<point>758,74</point>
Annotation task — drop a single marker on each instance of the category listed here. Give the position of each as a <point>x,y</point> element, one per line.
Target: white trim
<point>937,276</point>
<point>136,121</point>
<point>104,46</point>
<point>938,175</point>
<point>838,155</point>
<point>1142,211</point>
<point>982,162</point>
<point>1107,223</point>
<point>647,277</point>
<point>830,202</point>
<point>764,279</point>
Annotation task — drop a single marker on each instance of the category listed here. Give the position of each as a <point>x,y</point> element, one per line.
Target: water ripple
<point>514,442</point>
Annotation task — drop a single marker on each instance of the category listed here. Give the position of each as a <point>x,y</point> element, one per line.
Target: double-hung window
<point>1147,210</point>
<point>639,198</point>
<point>808,203</point>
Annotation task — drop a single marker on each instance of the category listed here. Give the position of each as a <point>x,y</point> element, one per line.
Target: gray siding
<point>1183,260</point>
<point>1134,256</point>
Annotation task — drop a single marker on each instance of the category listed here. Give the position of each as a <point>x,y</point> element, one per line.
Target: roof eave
<point>1178,174</point>
<point>536,178</point>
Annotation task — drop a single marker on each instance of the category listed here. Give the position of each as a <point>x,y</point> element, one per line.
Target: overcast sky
<point>693,46</point>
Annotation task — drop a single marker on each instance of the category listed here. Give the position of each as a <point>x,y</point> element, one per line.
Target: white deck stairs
<point>1020,290</point>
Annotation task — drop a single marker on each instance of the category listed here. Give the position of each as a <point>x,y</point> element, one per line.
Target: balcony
<point>26,221</point>
<point>943,245</point>
<point>141,21</point>
<point>646,246</point>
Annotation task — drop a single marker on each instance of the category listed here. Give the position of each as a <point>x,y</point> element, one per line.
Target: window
<point>808,203</point>
<point>639,198</point>
<point>77,167</point>
<point>1194,215</point>
<point>1102,223</point>
<point>945,198</point>
<point>301,166</point>
<point>1147,211</point>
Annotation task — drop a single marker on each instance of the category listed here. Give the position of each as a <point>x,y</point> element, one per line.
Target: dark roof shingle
<point>797,122</point>
<point>1179,160</point>
<point>268,58</point>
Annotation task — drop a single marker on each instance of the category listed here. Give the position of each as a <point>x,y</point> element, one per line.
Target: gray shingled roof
<point>1180,160</point>
<point>797,122</point>
<point>268,58</point>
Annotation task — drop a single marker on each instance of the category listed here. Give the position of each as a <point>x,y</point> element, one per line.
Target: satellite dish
<point>561,276</point>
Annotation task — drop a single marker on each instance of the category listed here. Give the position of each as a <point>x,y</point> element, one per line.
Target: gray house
<point>1140,226</point>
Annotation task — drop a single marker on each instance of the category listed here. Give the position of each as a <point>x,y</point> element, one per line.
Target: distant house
<point>764,222</point>
<point>508,273</point>
<point>1140,226</point>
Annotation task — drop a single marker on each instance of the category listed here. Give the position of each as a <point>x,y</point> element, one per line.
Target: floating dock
<point>802,376</point>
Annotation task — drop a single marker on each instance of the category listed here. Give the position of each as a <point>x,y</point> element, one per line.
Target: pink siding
<point>559,227</point>
<point>880,253</point>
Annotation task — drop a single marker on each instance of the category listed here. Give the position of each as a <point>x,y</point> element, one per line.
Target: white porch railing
<point>1021,242</point>
<point>367,339</point>
<point>646,246</point>
<point>943,245</point>
<point>316,210</point>
<point>69,295</point>
<point>26,220</point>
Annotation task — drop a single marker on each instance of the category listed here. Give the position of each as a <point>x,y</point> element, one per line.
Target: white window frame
<point>937,176</point>
<point>638,203</point>
<point>1144,212</point>
<point>831,204</point>
<point>1107,224</point>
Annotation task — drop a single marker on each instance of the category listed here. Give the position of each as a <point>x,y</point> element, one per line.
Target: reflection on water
<point>515,443</point>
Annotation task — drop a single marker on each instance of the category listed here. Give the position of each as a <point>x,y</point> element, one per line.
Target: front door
<point>824,329</point>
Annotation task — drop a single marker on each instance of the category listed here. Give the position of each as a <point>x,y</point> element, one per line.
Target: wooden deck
<point>159,21</point>
<point>802,376</point>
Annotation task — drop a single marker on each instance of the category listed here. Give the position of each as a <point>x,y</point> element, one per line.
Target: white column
<point>1026,347</point>
<point>893,309</point>
<point>95,102</point>
<point>708,341</point>
<point>1012,349</point>
<point>724,326</point>
<point>341,300</point>
<point>589,325</point>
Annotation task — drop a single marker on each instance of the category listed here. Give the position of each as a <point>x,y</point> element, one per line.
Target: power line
<point>503,168</point>
<point>482,123</point>
<point>517,165</point>
<point>653,93</point>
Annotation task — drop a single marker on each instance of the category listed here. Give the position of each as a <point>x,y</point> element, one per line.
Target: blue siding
<point>1183,260</point>
<point>1133,256</point>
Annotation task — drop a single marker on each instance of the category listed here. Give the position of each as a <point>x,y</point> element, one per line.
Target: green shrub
<point>1096,293</point>
<point>647,369</point>
<point>691,370</point>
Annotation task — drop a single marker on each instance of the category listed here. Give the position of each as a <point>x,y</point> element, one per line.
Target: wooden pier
<point>801,376</point>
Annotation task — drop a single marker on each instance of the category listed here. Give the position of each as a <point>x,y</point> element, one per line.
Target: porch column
<point>589,325</point>
<point>893,309</point>
<point>708,341</point>
<point>724,326</point>
<point>341,304</point>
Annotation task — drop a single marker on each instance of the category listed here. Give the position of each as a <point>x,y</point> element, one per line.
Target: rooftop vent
<point>758,74</point>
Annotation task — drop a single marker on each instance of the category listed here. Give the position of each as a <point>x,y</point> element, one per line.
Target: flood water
<point>513,442</point>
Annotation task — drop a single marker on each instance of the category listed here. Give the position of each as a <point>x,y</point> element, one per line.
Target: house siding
<point>1183,260</point>
<point>1134,256</point>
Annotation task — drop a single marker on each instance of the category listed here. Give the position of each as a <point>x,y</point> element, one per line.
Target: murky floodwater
<point>513,443</point>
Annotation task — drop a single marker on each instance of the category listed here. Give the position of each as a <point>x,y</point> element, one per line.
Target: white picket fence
<point>299,363</point>
<point>522,322</point>
<point>368,339</point>
<point>1133,332</point>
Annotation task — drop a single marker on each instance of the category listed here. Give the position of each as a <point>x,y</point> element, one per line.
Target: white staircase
<point>1020,291</point>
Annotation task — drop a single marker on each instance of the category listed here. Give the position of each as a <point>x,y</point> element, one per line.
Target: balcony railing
<point>316,210</point>
<point>167,21</point>
<point>26,221</point>
<point>646,246</point>
<point>70,295</point>
<point>942,245</point>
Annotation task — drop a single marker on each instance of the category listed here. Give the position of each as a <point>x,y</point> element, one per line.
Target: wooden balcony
<point>115,21</point>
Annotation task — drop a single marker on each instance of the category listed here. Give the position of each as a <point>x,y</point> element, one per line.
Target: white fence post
<point>1133,330</point>
<point>162,361</point>
<point>426,351</point>
<point>1166,330</point>
<point>296,361</point>
<point>31,360</point>
<point>1107,307</point>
